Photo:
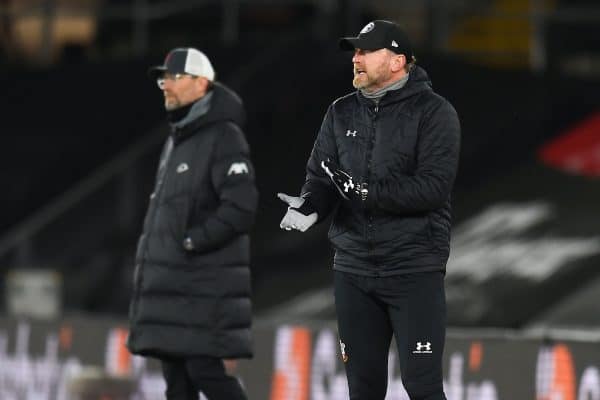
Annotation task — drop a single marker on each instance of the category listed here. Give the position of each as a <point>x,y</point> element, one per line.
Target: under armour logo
<point>423,348</point>
<point>350,133</point>
<point>238,168</point>
<point>394,44</point>
<point>182,168</point>
<point>348,185</point>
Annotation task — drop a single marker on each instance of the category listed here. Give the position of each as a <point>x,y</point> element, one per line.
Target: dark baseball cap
<point>185,60</point>
<point>380,34</point>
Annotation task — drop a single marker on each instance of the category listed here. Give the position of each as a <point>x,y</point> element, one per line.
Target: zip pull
<point>374,111</point>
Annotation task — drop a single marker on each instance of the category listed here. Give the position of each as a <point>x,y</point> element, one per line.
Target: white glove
<point>294,219</point>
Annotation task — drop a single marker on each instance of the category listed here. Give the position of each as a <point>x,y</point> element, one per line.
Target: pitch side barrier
<point>54,360</point>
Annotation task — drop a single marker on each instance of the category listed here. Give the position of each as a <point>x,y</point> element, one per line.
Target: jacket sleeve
<point>233,178</point>
<point>429,187</point>
<point>317,188</point>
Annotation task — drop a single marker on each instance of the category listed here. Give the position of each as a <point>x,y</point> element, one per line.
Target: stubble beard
<point>361,81</point>
<point>357,82</point>
<point>171,105</point>
<point>370,82</point>
<point>364,82</point>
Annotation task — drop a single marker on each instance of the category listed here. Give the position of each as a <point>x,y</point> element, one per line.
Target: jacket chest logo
<point>182,168</point>
<point>238,168</point>
<point>350,133</point>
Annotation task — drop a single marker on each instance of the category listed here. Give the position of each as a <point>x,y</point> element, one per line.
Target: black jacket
<point>406,149</point>
<point>190,303</point>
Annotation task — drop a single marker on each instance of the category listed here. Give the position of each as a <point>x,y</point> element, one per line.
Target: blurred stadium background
<point>83,125</point>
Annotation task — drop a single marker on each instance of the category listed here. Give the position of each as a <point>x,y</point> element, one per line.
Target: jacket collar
<point>223,105</point>
<point>418,82</point>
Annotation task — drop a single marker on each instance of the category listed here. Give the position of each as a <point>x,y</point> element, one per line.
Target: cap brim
<point>353,43</point>
<point>155,72</point>
<point>348,43</point>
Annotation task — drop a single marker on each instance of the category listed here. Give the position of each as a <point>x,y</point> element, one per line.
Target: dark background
<point>82,127</point>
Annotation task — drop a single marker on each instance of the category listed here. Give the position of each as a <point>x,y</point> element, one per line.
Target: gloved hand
<point>344,183</point>
<point>296,217</point>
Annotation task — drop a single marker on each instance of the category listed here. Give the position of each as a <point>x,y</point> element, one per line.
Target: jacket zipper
<point>370,148</point>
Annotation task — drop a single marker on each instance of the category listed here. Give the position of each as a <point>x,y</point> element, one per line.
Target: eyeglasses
<point>160,81</point>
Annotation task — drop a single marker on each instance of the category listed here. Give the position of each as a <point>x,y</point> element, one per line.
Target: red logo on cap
<point>168,57</point>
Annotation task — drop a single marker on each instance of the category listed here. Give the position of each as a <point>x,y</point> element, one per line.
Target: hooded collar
<point>378,94</point>
<point>184,115</point>
<point>219,105</point>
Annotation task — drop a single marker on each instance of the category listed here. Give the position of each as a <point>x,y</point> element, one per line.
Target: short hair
<point>410,64</point>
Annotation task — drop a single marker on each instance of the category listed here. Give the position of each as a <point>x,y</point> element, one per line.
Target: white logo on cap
<point>368,28</point>
<point>394,44</point>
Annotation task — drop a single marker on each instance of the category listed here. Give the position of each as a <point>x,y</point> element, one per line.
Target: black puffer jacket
<point>406,149</point>
<point>189,303</point>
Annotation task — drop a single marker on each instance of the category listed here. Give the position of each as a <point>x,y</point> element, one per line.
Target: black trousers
<point>412,307</point>
<point>185,377</point>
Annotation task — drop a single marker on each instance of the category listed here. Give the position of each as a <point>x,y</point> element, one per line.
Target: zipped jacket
<point>406,149</point>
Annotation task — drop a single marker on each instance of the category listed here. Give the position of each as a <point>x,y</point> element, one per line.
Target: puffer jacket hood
<point>224,106</point>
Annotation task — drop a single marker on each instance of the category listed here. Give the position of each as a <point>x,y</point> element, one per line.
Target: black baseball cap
<point>185,60</point>
<point>380,34</point>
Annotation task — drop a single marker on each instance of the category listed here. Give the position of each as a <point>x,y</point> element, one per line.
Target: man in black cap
<point>191,302</point>
<point>384,161</point>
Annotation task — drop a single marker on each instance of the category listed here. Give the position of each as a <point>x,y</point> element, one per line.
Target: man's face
<point>180,89</point>
<point>372,69</point>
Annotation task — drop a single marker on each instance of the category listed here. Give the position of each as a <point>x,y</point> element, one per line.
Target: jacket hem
<point>386,272</point>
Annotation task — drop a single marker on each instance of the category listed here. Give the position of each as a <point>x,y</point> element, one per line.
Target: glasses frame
<point>160,81</point>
